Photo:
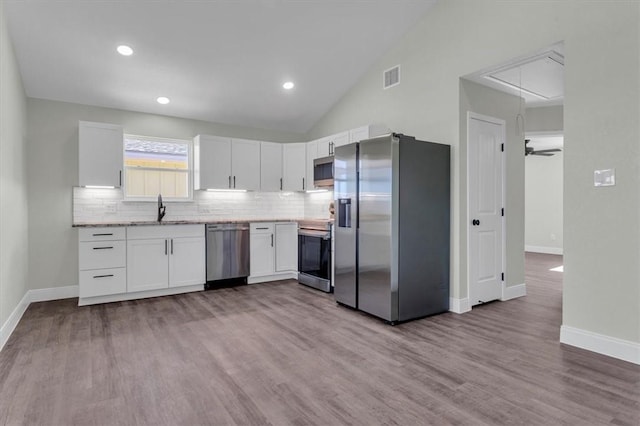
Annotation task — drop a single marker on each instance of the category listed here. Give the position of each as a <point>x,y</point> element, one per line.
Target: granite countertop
<point>182,222</point>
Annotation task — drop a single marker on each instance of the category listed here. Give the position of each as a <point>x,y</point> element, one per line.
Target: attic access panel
<point>542,77</point>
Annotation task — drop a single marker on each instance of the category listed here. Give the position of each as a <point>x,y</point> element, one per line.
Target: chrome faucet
<point>161,208</point>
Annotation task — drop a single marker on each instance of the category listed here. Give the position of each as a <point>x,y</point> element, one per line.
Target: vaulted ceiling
<point>218,60</point>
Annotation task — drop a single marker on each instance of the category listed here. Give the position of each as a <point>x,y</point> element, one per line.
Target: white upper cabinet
<point>323,147</point>
<point>312,153</point>
<point>245,164</point>
<point>271,166</point>
<point>366,132</point>
<point>339,139</point>
<point>225,163</point>
<point>294,173</point>
<point>327,145</point>
<point>228,163</point>
<point>100,149</point>
<point>212,162</point>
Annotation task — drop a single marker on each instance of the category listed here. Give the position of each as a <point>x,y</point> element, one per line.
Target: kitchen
<point>124,257</point>
<point>267,352</point>
<point>264,187</point>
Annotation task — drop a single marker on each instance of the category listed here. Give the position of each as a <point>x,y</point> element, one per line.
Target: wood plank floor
<point>283,354</point>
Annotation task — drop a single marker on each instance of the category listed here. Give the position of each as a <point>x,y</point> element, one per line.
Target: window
<point>157,166</point>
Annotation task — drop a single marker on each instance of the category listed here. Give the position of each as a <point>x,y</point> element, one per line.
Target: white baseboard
<point>13,320</point>
<point>545,250</point>
<point>459,306</point>
<point>514,291</point>
<point>170,291</point>
<point>37,295</point>
<point>54,293</point>
<point>605,345</point>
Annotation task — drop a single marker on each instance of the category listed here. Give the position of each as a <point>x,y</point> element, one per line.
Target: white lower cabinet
<point>165,256</point>
<point>143,261</point>
<point>261,248</point>
<point>286,247</point>
<point>102,262</point>
<point>148,267</point>
<point>102,282</point>
<point>187,261</point>
<point>273,251</point>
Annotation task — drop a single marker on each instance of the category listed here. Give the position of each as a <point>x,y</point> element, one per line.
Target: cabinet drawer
<point>262,228</point>
<point>103,282</point>
<point>164,231</point>
<point>102,234</point>
<point>102,254</point>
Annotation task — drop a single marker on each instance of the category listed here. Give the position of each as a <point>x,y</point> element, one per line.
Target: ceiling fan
<point>528,150</point>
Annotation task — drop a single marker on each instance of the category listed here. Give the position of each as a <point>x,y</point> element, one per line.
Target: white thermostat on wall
<point>605,177</point>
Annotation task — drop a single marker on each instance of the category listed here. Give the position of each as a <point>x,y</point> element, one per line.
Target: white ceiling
<point>218,60</point>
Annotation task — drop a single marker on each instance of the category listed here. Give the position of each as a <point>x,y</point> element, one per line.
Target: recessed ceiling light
<point>125,50</point>
<point>163,100</point>
<point>288,85</point>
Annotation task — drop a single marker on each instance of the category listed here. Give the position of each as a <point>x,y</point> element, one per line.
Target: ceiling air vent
<point>391,77</point>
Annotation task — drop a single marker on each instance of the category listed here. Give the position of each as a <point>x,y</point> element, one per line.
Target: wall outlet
<point>111,208</point>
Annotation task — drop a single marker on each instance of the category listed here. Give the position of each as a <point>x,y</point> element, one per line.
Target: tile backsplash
<point>316,204</point>
<point>92,205</point>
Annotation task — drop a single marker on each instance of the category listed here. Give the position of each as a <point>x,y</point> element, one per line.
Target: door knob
<point>475,222</point>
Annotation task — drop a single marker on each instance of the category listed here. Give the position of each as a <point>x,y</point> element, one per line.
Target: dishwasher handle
<point>222,228</point>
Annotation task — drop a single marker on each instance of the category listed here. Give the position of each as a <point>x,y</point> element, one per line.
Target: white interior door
<point>485,147</point>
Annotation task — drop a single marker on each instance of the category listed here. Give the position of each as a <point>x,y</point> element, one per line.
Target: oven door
<point>314,259</point>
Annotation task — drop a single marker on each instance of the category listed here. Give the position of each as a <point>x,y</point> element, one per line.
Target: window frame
<point>154,199</point>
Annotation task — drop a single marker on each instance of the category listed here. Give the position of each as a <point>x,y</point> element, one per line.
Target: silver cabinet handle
<point>271,240</point>
<point>120,177</point>
<point>172,246</point>
<point>263,228</point>
<point>229,181</point>
<point>165,247</point>
<point>103,276</point>
<point>303,184</point>
<point>234,182</point>
<point>102,248</point>
<point>280,184</point>
<point>101,235</point>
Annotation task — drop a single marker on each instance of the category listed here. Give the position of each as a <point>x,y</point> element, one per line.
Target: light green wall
<point>543,202</point>
<point>601,116</point>
<point>543,184</point>
<point>53,171</point>
<point>13,179</point>
<point>545,119</point>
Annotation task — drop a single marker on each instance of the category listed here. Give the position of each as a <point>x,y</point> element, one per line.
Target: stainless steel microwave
<point>323,172</point>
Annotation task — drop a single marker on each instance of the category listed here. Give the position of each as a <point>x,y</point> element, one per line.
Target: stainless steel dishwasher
<point>227,251</point>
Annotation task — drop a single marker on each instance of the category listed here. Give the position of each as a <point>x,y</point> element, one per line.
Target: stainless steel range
<point>314,254</point>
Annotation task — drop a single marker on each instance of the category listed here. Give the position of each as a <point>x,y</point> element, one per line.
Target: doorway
<point>486,144</point>
<point>509,91</point>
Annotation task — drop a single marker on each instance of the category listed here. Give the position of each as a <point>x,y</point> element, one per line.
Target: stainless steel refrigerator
<point>392,222</point>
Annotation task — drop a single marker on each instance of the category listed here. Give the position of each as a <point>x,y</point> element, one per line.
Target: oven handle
<point>312,233</point>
